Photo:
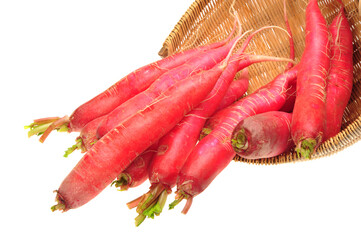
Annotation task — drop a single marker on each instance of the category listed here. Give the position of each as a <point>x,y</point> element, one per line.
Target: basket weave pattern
<point>208,21</point>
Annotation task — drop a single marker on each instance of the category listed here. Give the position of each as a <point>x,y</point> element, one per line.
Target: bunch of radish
<point>179,121</point>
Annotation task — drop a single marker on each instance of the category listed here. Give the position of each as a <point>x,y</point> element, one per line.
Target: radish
<point>114,152</point>
<point>214,152</point>
<point>127,87</point>
<point>263,135</point>
<point>340,79</point>
<point>309,113</point>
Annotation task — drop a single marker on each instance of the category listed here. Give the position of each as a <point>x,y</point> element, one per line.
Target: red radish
<point>309,113</point>
<point>263,135</point>
<point>236,90</point>
<point>114,152</point>
<point>121,91</point>
<point>340,79</point>
<point>214,152</point>
<point>137,172</point>
<point>87,137</point>
<point>199,63</point>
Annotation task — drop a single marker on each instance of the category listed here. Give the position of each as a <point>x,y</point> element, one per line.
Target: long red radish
<point>309,113</point>
<point>214,152</point>
<point>137,172</point>
<point>114,152</point>
<point>263,135</point>
<point>121,91</point>
<point>340,79</point>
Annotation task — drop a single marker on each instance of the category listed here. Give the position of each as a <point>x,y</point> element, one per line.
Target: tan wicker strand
<point>210,20</point>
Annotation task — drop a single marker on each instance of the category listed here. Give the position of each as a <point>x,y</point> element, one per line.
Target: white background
<point>56,55</point>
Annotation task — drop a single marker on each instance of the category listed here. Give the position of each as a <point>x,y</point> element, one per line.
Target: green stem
<point>157,207</point>
<point>44,126</point>
<point>306,148</point>
<point>78,145</point>
<point>37,129</point>
<point>239,141</point>
<point>139,219</point>
<point>205,131</point>
<point>179,197</point>
<point>123,182</point>
<point>176,202</point>
<point>152,203</point>
<point>59,206</point>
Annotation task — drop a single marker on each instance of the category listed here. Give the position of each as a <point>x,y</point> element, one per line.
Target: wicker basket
<point>211,20</point>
